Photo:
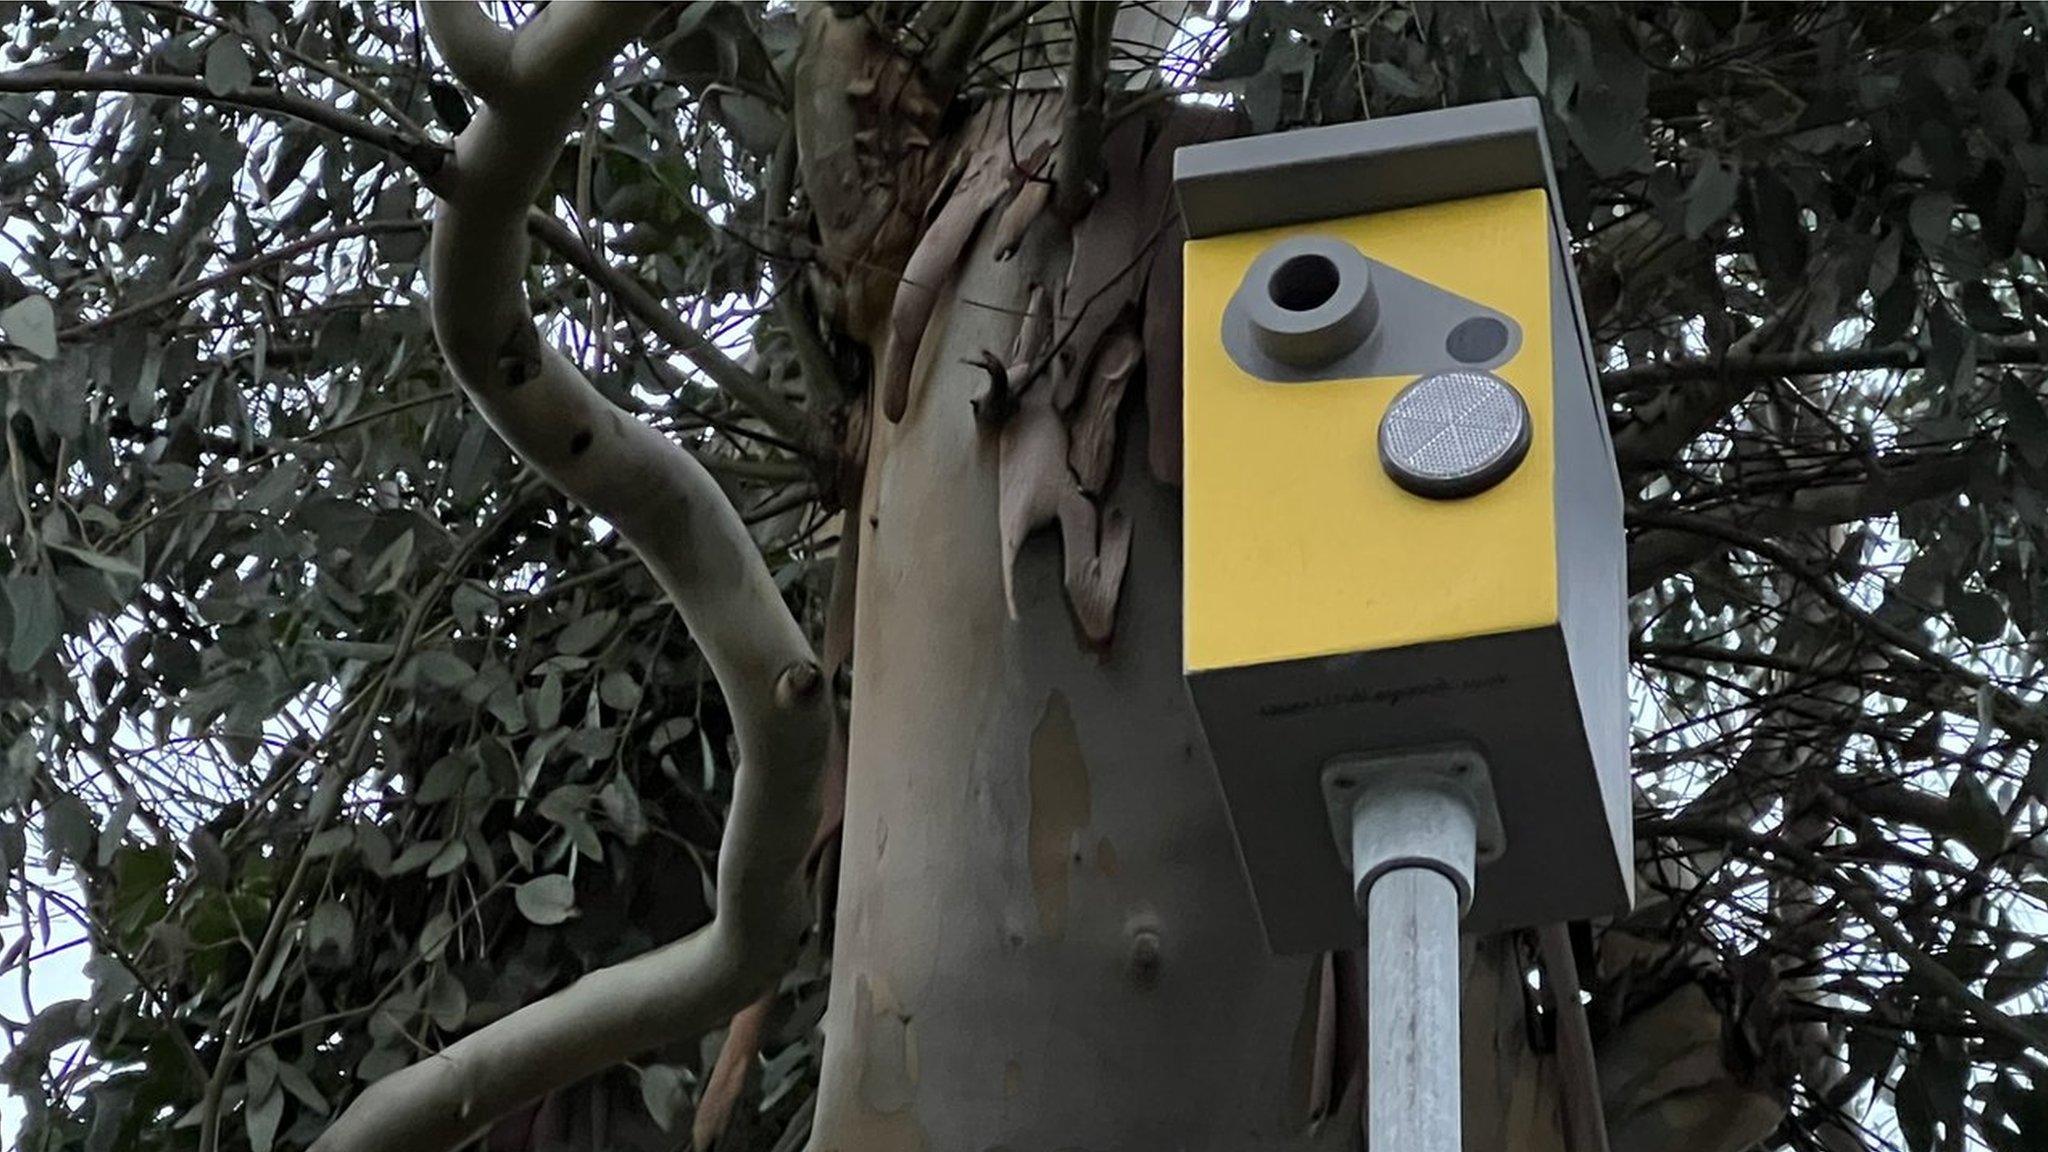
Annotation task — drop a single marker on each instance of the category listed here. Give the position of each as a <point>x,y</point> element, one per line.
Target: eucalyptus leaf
<point>227,67</point>
<point>546,900</point>
<point>31,324</point>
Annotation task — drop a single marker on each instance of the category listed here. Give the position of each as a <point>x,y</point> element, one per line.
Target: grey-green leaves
<point>31,325</point>
<point>547,899</point>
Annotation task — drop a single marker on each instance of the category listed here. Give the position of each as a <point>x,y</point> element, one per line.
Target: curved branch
<point>425,156</point>
<point>672,513</point>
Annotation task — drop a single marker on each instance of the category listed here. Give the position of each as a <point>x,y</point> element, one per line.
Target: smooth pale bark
<point>1043,940</point>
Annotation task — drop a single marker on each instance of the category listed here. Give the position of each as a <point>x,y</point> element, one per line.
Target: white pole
<point>1412,1012</point>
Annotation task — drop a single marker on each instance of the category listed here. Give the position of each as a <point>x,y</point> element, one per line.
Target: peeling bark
<point>1154,1017</point>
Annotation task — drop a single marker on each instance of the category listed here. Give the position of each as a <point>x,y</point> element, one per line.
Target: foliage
<point>273,599</point>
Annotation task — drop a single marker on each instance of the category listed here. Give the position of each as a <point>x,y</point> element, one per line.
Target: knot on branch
<point>798,684</point>
<point>519,357</point>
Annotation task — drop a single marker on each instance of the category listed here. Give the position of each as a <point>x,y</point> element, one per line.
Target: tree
<point>342,736</point>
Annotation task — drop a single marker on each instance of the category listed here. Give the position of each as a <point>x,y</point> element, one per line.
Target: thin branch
<point>424,155</point>
<point>236,271</point>
<point>1019,14</point>
<point>1885,485</point>
<point>821,377</point>
<point>1080,147</point>
<point>270,52</point>
<point>1581,1075</point>
<point>952,54</point>
<point>1770,365</point>
<point>1856,895</point>
<point>334,777</point>
<point>2007,710</point>
<point>749,390</point>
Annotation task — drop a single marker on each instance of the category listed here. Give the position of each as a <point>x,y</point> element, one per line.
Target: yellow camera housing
<point>1349,590</point>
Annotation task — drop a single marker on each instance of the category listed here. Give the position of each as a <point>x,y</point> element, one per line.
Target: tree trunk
<point>1043,939</point>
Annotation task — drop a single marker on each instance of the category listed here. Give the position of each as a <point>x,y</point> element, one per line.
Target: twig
<point>1764,365</point>
<point>1080,148</point>
<point>2007,710</point>
<point>1582,1108</point>
<point>236,272</point>
<point>952,54</point>
<point>749,390</point>
<point>424,155</point>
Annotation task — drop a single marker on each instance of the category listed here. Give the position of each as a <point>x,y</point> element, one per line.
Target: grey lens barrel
<point>1311,301</point>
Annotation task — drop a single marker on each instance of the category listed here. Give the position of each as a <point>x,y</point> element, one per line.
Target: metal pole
<point>1415,833</point>
<point>1412,1012</point>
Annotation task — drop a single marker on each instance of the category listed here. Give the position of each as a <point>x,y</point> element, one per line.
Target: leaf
<point>661,1090</point>
<point>414,856</point>
<point>620,691</point>
<point>1710,196</point>
<point>444,780</point>
<point>392,564</point>
<point>1951,347</point>
<point>263,1117</point>
<point>1245,52</point>
<point>227,67</point>
<point>442,669</point>
<point>1263,95</point>
<point>565,803</point>
<point>262,1065</point>
<point>447,1001</point>
<point>68,827</point>
<point>1981,822</point>
<point>301,1086</point>
<point>2026,423</point>
<point>470,602</point>
<point>31,324</point>
<point>434,937</point>
<point>35,622</point>
<point>113,565</point>
<point>546,900</point>
<point>451,108</point>
<point>584,632</point>
<point>452,856</point>
<point>1534,57</point>
<point>1392,80</point>
<point>1978,616</point>
<point>330,929</point>
<point>1929,218</point>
